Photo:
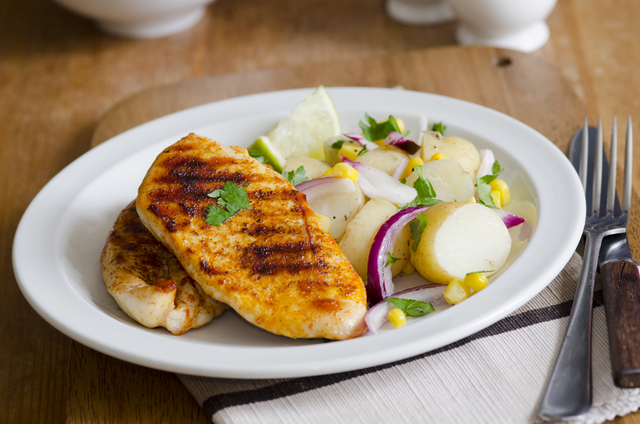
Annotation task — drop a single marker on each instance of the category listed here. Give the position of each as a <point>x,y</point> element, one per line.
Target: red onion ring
<point>375,183</point>
<point>379,281</point>
<point>319,187</point>
<point>377,315</point>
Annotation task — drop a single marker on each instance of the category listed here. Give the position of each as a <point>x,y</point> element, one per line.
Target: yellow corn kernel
<point>328,172</point>
<point>344,170</point>
<point>476,281</point>
<point>409,268</point>
<point>437,156</point>
<point>502,188</point>
<point>412,164</point>
<point>350,151</point>
<point>400,124</point>
<point>324,221</point>
<point>397,317</point>
<point>495,196</point>
<point>456,292</point>
<point>472,199</point>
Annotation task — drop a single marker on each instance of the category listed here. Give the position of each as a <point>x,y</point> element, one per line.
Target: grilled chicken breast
<point>148,282</point>
<point>272,263</point>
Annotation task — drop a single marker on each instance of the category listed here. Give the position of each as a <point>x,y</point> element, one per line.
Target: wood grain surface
<point>64,87</point>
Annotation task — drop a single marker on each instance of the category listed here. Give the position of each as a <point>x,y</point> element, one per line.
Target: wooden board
<point>499,79</point>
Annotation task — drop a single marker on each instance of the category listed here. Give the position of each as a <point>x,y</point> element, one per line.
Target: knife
<point>620,275</point>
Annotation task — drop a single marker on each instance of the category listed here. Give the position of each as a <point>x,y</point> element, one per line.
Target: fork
<point>568,392</point>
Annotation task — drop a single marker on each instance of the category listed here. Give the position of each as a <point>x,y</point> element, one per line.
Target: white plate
<point>58,242</point>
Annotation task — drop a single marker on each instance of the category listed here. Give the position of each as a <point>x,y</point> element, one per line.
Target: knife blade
<point>620,275</point>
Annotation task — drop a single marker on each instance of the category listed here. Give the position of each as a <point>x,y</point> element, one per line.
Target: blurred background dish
<point>512,24</point>
<point>420,12</point>
<point>140,18</point>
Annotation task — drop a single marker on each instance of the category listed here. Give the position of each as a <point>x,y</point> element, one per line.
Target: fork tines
<point>594,208</point>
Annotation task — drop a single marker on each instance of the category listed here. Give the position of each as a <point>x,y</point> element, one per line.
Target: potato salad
<point>430,203</point>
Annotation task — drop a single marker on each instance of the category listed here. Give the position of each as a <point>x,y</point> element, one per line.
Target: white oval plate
<point>60,237</point>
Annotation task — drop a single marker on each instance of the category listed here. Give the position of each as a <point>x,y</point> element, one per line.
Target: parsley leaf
<point>231,199</point>
<point>483,187</point>
<point>426,194</point>
<point>337,145</point>
<point>417,228</point>
<point>412,308</point>
<point>390,259</point>
<point>257,155</point>
<point>296,177</point>
<point>361,151</point>
<point>439,127</point>
<point>379,131</point>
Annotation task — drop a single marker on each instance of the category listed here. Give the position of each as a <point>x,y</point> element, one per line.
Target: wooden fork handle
<point>621,290</point>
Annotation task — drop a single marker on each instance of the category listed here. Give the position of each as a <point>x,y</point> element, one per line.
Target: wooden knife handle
<point>621,290</point>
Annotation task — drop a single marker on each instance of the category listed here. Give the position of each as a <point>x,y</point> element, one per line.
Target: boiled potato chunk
<point>450,182</point>
<point>361,231</point>
<point>384,159</point>
<point>453,148</point>
<point>461,238</point>
<point>314,168</point>
<point>340,208</point>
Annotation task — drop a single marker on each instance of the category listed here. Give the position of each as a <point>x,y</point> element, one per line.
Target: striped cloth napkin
<point>494,376</point>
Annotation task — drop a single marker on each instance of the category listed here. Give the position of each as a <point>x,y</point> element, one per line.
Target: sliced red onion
<point>525,231</point>
<point>377,315</point>
<point>509,219</point>
<point>319,187</point>
<point>402,165</point>
<point>403,143</point>
<point>486,163</point>
<point>379,280</point>
<point>424,124</point>
<point>370,145</point>
<point>375,183</point>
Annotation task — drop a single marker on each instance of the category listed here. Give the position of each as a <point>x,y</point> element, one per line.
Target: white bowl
<point>512,24</point>
<point>140,18</point>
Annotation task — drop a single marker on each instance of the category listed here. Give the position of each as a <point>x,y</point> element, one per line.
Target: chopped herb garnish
<point>426,194</point>
<point>361,151</point>
<point>296,177</point>
<point>417,228</point>
<point>379,131</point>
<point>257,155</point>
<point>338,144</point>
<point>483,187</point>
<point>391,259</point>
<point>479,272</point>
<point>412,308</point>
<point>439,127</point>
<point>231,199</point>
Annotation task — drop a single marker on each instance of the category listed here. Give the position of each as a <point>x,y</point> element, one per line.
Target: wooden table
<point>60,78</point>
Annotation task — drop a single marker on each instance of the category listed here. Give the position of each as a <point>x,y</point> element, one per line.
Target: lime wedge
<point>303,131</point>
<point>269,153</point>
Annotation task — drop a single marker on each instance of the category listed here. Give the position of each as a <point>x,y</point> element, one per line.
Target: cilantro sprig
<point>483,187</point>
<point>390,259</point>
<point>426,194</point>
<point>231,199</point>
<point>410,307</point>
<point>257,155</point>
<point>296,177</point>
<point>417,227</point>
<point>439,127</point>
<point>338,144</point>
<point>375,131</point>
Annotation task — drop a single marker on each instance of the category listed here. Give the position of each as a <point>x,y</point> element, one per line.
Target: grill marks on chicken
<point>148,282</point>
<point>273,263</point>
